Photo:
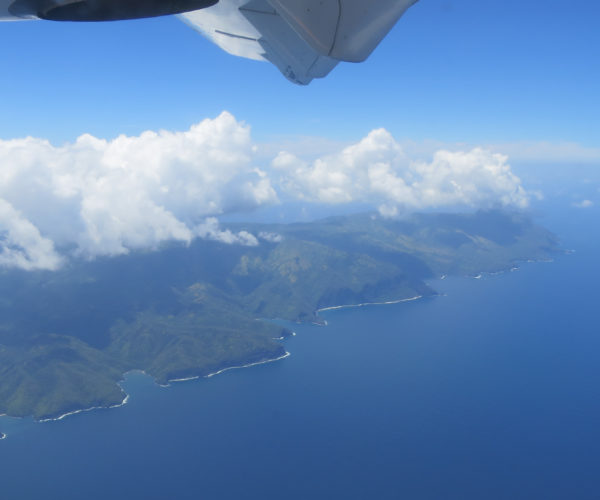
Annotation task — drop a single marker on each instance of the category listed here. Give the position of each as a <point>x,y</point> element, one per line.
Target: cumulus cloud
<point>95,197</point>
<point>21,244</point>
<point>376,170</point>
<point>584,204</point>
<point>270,237</point>
<point>210,230</point>
<point>101,197</point>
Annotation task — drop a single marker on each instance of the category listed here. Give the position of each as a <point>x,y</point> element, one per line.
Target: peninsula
<point>68,336</point>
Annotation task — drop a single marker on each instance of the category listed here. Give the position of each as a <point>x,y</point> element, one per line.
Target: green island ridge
<point>68,336</point>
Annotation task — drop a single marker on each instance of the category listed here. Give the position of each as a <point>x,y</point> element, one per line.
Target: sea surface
<point>489,391</point>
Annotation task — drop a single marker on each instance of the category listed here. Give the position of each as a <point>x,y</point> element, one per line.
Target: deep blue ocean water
<point>489,391</point>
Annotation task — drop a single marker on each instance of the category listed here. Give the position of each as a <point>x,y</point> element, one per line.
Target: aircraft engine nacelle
<point>102,10</point>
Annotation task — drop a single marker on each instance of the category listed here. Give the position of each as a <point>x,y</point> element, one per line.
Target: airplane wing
<point>305,39</point>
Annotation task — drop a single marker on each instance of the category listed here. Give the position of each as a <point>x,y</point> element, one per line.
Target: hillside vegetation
<point>67,337</point>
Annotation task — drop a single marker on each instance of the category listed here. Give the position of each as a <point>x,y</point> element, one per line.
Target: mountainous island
<point>68,336</point>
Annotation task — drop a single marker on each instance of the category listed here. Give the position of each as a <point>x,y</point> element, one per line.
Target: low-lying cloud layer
<point>96,197</point>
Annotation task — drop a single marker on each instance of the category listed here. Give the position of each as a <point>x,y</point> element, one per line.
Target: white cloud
<point>103,197</point>
<point>528,152</point>
<point>98,197</point>
<point>21,244</point>
<point>270,237</point>
<point>584,204</point>
<point>210,230</point>
<point>376,170</point>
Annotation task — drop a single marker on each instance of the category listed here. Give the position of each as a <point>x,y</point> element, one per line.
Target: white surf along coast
<point>262,362</point>
<point>248,365</point>
<point>196,377</point>
<point>127,396</point>
<point>75,412</point>
<point>363,304</point>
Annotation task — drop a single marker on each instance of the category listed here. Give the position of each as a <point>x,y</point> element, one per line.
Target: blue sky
<point>469,71</point>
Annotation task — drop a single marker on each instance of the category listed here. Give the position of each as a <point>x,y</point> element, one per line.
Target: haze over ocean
<point>487,391</point>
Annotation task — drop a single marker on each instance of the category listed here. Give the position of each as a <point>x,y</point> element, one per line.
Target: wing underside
<point>305,39</point>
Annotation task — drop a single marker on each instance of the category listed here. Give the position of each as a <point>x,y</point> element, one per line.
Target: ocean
<point>490,390</point>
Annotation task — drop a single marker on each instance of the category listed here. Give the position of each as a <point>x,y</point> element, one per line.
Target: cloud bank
<point>376,170</point>
<point>584,204</point>
<point>96,197</point>
<point>99,197</point>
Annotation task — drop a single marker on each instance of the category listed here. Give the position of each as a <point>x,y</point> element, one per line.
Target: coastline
<point>261,362</point>
<point>127,396</point>
<point>287,354</point>
<point>75,412</point>
<point>513,267</point>
<point>345,306</point>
